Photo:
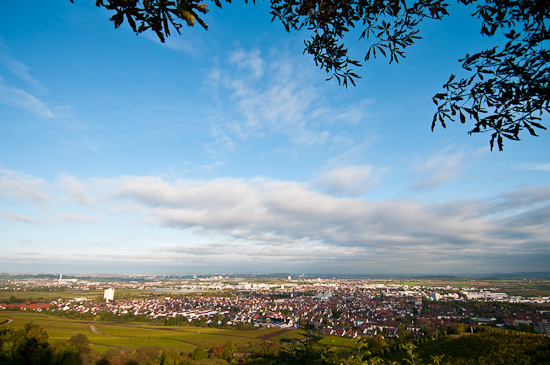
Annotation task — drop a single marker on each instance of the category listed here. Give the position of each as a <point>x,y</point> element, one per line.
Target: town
<point>341,307</point>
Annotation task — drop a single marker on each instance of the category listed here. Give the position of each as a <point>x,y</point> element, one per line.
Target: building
<point>109,294</point>
<point>542,327</point>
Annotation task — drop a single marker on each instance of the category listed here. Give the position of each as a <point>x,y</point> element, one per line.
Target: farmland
<point>65,293</point>
<point>130,336</point>
<point>184,320</point>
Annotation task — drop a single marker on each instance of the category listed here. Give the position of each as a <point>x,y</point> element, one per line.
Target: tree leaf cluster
<point>158,15</point>
<point>30,345</point>
<point>388,27</point>
<point>508,89</point>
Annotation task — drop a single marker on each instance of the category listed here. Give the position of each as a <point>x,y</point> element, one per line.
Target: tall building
<point>109,294</point>
<point>542,327</point>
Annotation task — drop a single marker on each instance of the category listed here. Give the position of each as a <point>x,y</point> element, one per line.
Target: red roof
<point>27,306</point>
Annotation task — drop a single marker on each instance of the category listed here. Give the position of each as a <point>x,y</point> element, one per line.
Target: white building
<point>109,294</point>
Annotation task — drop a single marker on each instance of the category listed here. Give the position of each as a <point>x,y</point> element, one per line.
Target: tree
<point>27,346</point>
<point>36,334</point>
<point>65,353</point>
<point>174,358</point>
<point>228,350</point>
<point>437,359</point>
<point>81,343</point>
<point>404,333</point>
<point>199,354</point>
<point>146,354</point>
<point>426,330</point>
<point>409,348</point>
<point>308,350</point>
<point>507,90</point>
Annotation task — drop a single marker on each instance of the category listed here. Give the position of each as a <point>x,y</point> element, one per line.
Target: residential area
<point>340,307</point>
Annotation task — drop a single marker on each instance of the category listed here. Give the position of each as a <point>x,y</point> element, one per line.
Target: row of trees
<point>484,346</point>
<point>31,345</point>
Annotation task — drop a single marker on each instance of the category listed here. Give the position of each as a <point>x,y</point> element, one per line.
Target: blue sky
<point>227,151</point>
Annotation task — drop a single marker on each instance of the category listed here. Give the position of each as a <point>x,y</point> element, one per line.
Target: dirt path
<point>6,322</point>
<point>96,331</point>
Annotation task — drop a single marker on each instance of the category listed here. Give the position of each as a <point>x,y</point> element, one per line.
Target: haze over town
<point>227,151</point>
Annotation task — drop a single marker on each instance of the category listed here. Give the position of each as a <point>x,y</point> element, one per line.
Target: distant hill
<point>114,277</point>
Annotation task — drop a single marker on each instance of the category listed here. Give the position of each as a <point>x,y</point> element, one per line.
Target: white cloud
<point>15,217</point>
<point>17,98</point>
<point>69,217</point>
<point>250,62</point>
<point>536,166</point>
<point>439,169</point>
<point>74,190</point>
<point>348,114</point>
<point>520,204</point>
<point>262,222</point>
<point>213,77</point>
<point>350,180</point>
<point>274,96</point>
<point>221,138</point>
<point>22,71</point>
<point>17,185</point>
<point>241,209</point>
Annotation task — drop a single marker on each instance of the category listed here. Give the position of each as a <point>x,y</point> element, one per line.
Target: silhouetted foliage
<point>490,348</point>
<point>508,89</point>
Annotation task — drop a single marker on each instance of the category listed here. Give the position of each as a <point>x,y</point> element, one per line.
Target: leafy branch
<point>509,89</point>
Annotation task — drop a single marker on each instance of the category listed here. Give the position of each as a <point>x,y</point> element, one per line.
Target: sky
<point>227,151</point>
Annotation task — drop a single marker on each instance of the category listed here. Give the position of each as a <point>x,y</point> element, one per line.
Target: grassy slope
<point>338,341</point>
<point>130,336</point>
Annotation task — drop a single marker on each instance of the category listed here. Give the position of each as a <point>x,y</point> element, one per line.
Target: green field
<point>338,341</point>
<point>289,335</point>
<point>47,296</point>
<point>129,336</point>
<point>3,319</point>
<point>525,288</point>
<point>412,283</point>
<point>51,295</point>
